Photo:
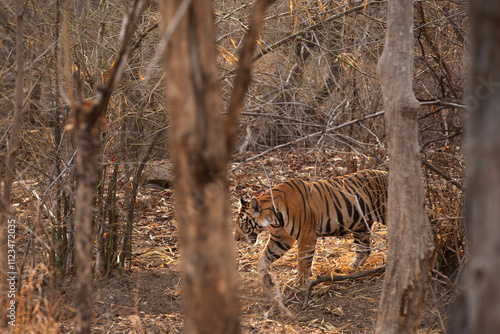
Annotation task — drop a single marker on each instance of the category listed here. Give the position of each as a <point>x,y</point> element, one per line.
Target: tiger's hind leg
<point>305,257</point>
<point>363,250</point>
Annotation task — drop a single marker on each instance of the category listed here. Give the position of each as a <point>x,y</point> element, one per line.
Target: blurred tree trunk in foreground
<point>201,144</point>
<point>9,169</point>
<point>478,308</point>
<point>200,157</point>
<point>410,241</point>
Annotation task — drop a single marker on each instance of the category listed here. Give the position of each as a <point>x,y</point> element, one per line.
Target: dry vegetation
<point>313,111</point>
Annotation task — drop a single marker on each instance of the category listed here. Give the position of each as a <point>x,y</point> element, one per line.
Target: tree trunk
<point>5,265</point>
<point>87,141</point>
<point>410,241</point>
<point>478,307</point>
<point>199,153</point>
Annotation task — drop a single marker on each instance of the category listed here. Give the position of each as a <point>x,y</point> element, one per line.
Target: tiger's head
<point>247,226</point>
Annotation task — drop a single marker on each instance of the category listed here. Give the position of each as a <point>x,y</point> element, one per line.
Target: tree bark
<point>87,141</point>
<point>199,154</point>
<point>410,241</point>
<point>478,307</point>
<point>10,163</point>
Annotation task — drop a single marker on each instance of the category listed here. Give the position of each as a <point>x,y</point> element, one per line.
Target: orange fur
<point>301,211</point>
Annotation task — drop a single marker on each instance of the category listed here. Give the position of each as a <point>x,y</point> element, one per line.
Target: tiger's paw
<point>356,264</point>
<point>302,276</point>
<point>266,281</point>
<point>301,280</point>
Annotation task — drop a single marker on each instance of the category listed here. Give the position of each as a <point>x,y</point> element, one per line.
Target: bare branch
<point>312,135</point>
<point>442,174</point>
<point>295,35</point>
<point>242,79</point>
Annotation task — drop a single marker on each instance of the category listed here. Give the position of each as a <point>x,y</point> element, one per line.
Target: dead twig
<point>445,280</point>
<point>243,75</point>
<point>291,37</point>
<point>127,240</point>
<point>309,136</point>
<point>337,278</point>
<point>442,174</point>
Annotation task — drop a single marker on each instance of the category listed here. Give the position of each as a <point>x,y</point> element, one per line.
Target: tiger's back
<point>302,211</point>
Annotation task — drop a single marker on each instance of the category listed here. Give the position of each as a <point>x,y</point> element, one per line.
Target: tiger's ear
<point>255,207</point>
<point>242,201</point>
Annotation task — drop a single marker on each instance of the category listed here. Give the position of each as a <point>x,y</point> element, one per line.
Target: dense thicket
<point>314,87</point>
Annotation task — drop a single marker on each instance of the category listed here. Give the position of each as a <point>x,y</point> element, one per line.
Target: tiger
<point>301,211</point>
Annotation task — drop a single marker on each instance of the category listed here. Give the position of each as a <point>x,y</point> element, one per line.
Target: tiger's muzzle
<point>251,238</point>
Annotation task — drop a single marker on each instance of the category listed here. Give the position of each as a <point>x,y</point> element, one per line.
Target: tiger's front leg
<point>275,248</point>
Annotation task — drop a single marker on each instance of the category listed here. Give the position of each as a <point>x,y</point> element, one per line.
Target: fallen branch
<point>337,278</point>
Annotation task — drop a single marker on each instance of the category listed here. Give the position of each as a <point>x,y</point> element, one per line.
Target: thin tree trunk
<point>127,238</point>
<point>88,114</point>
<point>87,142</point>
<point>478,308</point>
<point>410,242</point>
<point>10,163</point>
<point>200,157</point>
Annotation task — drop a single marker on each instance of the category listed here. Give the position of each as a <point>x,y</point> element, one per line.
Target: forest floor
<point>147,298</point>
